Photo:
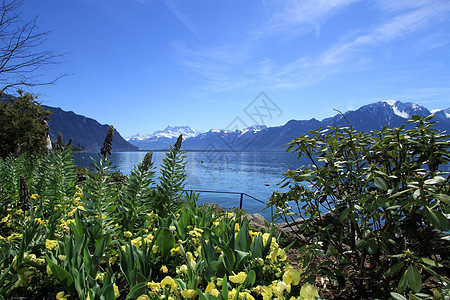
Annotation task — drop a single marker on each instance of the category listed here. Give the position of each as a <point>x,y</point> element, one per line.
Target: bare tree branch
<point>21,59</point>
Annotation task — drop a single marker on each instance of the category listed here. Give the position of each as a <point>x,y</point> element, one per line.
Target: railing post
<point>240,203</point>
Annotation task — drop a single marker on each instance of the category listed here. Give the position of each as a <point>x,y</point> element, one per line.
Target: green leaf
<point>394,269</point>
<point>61,275</point>
<point>402,283</point>
<point>414,279</point>
<point>444,198</point>
<point>166,241</point>
<point>243,238</point>
<point>380,183</point>
<point>137,290</point>
<point>251,278</point>
<point>397,296</point>
<point>372,246</point>
<point>430,262</point>
<point>108,293</point>
<point>435,180</point>
<point>438,219</point>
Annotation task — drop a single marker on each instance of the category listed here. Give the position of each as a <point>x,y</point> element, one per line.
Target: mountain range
<point>86,133</point>
<point>262,138</point>
<point>162,139</point>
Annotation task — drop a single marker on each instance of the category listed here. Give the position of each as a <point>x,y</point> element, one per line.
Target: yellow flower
<point>127,234</point>
<point>34,197</point>
<point>189,294</point>
<point>182,269</point>
<point>219,281</point>
<point>143,297</point>
<point>154,286</point>
<point>308,292</point>
<point>232,294</point>
<point>278,254</point>
<point>236,227</point>
<point>214,292</point>
<point>62,257</point>
<point>116,290</point>
<point>174,251</point>
<point>229,215</point>
<point>196,232</point>
<point>100,277</point>
<point>148,239</point>
<point>238,278</point>
<point>6,219</point>
<point>281,287</point>
<point>155,249</point>
<point>113,259</point>
<point>210,287</point>
<point>246,294</point>
<point>291,275</point>
<point>168,281</point>
<point>51,244</point>
<point>62,296</point>
<point>137,242</point>
<point>164,269</point>
<point>191,256</point>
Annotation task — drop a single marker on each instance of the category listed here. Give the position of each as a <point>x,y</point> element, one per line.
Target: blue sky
<point>142,65</point>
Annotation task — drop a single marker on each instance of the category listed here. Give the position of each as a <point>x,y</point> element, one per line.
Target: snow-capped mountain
<point>162,139</point>
<point>259,137</point>
<point>442,113</point>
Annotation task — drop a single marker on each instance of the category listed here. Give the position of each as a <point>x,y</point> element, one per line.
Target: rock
<point>257,222</point>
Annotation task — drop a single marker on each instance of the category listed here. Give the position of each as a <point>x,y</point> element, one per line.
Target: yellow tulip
<point>308,292</point>
<point>168,281</point>
<point>51,244</point>
<point>238,278</point>
<point>291,276</point>
<point>116,290</point>
<point>189,294</point>
<point>164,269</point>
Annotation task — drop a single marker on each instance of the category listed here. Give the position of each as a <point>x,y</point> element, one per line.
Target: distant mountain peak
<point>406,109</point>
<point>168,132</point>
<point>373,116</point>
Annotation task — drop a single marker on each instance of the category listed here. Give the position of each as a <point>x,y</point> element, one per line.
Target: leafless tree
<point>21,57</point>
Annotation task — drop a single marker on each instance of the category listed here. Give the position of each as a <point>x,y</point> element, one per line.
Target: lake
<point>254,173</point>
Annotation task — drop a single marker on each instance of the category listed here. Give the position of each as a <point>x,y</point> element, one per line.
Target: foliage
<point>171,181</point>
<point>103,240</point>
<point>377,205</point>
<point>22,126</point>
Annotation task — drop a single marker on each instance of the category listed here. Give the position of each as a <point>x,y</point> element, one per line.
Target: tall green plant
<point>377,201</point>
<point>168,197</point>
<point>100,193</point>
<point>138,194</point>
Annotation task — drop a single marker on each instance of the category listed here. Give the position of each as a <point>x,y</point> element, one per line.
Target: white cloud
<point>234,64</point>
<point>300,17</point>
<point>180,15</point>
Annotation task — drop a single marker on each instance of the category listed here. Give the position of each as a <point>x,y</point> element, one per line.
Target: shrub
<point>375,206</point>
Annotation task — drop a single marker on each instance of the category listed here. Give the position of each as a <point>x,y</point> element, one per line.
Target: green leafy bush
<point>374,206</point>
<point>137,240</point>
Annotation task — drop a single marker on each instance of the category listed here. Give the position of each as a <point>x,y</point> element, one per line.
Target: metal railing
<point>241,201</point>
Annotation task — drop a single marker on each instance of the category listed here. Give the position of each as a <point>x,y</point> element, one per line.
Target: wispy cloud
<point>181,16</point>
<point>234,64</point>
<point>400,26</point>
<point>300,17</point>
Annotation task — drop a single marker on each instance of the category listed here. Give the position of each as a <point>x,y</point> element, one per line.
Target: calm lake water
<point>254,173</point>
